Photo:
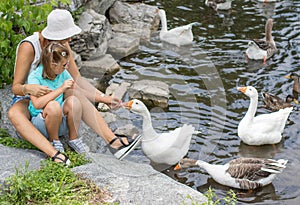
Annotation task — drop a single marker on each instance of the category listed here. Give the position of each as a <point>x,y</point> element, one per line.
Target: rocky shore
<point>131,181</point>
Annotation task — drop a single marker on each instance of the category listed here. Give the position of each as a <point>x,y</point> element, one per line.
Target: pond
<point>203,78</point>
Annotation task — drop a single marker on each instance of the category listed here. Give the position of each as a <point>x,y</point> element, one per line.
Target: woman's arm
<point>24,59</point>
<point>86,88</point>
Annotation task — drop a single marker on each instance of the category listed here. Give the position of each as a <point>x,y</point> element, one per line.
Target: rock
<point>122,45</point>
<point>117,90</point>
<point>125,13</point>
<point>91,43</point>
<point>152,93</point>
<point>137,183</point>
<point>139,29</point>
<point>97,68</point>
<point>100,6</point>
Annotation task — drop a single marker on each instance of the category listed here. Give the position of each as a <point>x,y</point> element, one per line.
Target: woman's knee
<point>53,108</point>
<point>18,110</point>
<point>73,103</point>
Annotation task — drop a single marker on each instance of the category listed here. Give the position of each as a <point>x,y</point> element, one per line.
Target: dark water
<point>203,80</point>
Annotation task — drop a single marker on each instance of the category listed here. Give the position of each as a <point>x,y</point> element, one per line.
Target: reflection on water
<point>203,80</point>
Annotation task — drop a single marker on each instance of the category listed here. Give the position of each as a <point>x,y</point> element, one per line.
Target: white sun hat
<point>60,25</point>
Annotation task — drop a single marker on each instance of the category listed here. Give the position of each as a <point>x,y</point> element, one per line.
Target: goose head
<point>185,163</point>
<point>249,91</point>
<point>252,44</point>
<point>290,99</point>
<point>136,106</point>
<point>162,13</point>
<point>293,76</point>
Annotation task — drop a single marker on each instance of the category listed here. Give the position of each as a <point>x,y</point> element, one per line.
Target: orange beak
<point>177,167</point>
<point>242,89</point>
<point>288,76</point>
<point>128,105</point>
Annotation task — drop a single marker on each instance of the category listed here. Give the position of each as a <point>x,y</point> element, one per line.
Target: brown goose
<point>262,49</point>
<point>296,85</point>
<point>240,173</point>
<point>275,103</point>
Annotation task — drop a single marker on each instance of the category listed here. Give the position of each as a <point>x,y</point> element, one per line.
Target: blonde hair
<point>53,53</point>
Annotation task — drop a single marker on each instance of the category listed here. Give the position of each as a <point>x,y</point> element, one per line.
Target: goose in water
<point>262,49</point>
<point>240,173</point>
<point>219,4</point>
<point>162,148</point>
<point>275,103</point>
<point>296,85</point>
<point>264,128</point>
<point>179,36</point>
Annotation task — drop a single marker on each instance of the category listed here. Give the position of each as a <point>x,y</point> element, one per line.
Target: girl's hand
<point>67,84</point>
<point>37,90</point>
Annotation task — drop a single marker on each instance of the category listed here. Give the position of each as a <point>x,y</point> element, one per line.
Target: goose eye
<point>136,103</point>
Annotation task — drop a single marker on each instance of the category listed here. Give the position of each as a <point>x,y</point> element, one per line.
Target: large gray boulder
<point>91,43</point>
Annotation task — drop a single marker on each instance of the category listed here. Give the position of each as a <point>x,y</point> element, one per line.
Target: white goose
<point>268,1</point>
<point>241,173</point>
<point>262,129</point>
<point>262,49</point>
<point>219,4</point>
<point>179,36</point>
<point>162,148</point>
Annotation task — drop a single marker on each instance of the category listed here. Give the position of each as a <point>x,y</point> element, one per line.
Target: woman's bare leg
<point>52,114</point>
<point>19,116</point>
<point>73,110</point>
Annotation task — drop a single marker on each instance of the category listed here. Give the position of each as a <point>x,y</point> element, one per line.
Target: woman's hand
<point>112,102</point>
<point>37,90</point>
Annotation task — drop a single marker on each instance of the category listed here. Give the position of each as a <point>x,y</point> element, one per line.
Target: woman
<point>60,27</point>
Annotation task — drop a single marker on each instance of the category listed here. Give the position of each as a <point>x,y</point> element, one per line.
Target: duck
<point>219,4</point>
<point>161,148</point>
<point>179,36</point>
<point>262,49</point>
<point>262,129</point>
<point>241,173</point>
<point>275,103</point>
<point>296,85</point>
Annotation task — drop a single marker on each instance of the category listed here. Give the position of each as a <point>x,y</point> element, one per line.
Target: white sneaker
<point>58,145</point>
<point>78,146</point>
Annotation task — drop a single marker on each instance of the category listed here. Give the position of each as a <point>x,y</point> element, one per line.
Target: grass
<point>53,183</point>
<point>212,199</point>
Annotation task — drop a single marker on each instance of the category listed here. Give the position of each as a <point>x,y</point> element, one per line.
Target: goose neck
<point>147,126</point>
<point>163,20</point>
<point>252,108</point>
<point>268,30</point>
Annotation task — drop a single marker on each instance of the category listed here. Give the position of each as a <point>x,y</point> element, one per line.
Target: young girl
<point>51,114</point>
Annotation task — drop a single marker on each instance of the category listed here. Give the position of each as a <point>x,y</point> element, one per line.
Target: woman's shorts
<point>39,123</point>
<point>17,98</point>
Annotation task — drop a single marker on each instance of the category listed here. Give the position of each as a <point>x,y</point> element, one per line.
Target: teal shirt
<point>35,77</point>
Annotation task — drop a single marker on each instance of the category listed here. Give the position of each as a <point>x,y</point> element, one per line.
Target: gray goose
<point>240,173</point>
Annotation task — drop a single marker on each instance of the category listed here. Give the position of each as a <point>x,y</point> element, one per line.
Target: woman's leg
<point>92,117</point>
<point>52,114</point>
<point>19,116</point>
<point>73,110</point>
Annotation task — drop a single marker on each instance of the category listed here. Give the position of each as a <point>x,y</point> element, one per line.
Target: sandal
<point>125,149</point>
<point>129,139</point>
<point>66,161</point>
